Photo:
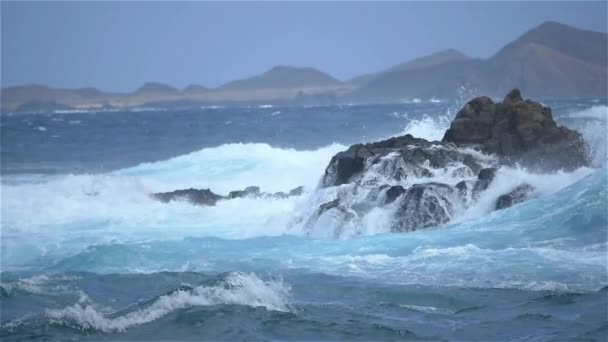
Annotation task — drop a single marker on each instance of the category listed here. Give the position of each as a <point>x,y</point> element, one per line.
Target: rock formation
<point>206,197</point>
<point>483,136</point>
<point>518,131</point>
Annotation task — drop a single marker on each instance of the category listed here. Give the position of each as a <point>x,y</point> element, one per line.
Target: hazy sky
<point>118,46</point>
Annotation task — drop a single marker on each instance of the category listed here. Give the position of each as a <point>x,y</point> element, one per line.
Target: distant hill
<point>551,60</point>
<point>437,58</point>
<point>195,89</point>
<point>284,77</point>
<point>156,88</point>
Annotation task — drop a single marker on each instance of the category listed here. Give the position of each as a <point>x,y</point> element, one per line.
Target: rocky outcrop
<point>518,130</point>
<point>401,173</point>
<point>423,206</point>
<point>395,158</point>
<point>195,196</point>
<point>206,197</point>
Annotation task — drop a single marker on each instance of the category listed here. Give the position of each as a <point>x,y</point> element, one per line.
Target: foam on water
<point>592,122</point>
<point>236,166</point>
<point>44,215</point>
<point>96,222</point>
<point>429,128</point>
<point>236,289</point>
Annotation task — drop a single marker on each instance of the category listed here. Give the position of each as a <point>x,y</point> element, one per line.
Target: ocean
<point>88,254</point>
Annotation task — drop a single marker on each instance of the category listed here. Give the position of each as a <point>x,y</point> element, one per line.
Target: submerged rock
<point>517,195</point>
<point>393,193</point>
<point>250,191</point>
<point>208,198</point>
<point>195,196</point>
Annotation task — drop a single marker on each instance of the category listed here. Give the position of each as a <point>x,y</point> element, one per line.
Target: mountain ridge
<point>549,60</point>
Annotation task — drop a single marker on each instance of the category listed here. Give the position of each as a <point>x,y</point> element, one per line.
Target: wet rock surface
<point>206,197</point>
<point>519,131</point>
<point>483,136</point>
<point>517,195</point>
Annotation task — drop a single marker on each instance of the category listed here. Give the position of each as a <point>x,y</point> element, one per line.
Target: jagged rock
<point>279,195</point>
<point>395,158</point>
<point>423,206</point>
<point>207,197</point>
<point>520,131</point>
<point>484,179</point>
<point>487,174</point>
<point>393,193</point>
<point>514,130</point>
<point>517,195</point>
<point>296,191</point>
<point>195,196</point>
<point>250,191</point>
<point>328,205</point>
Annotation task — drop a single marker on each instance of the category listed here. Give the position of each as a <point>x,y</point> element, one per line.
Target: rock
<point>206,197</point>
<point>378,174</point>
<point>250,191</point>
<point>393,193</point>
<point>423,206</point>
<point>517,195</point>
<point>326,206</point>
<point>296,191</point>
<point>195,196</point>
<point>487,174</point>
<point>395,159</point>
<point>279,195</point>
<point>521,131</point>
<point>484,179</point>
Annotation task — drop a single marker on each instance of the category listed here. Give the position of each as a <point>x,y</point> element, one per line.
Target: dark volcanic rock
<point>296,191</point>
<point>484,179</point>
<point>512,131</point>
<point>520,131</point>
<point>487,174</point>
<point>195,196</point>
<point>206,197</point>
<point>423,206</point>
<point>517,195</point>
<point>409,156</point>
<point>250,191</point>
<point>393,193</point>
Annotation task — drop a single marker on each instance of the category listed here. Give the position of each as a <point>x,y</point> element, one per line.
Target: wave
<point>235,166</point>
<point>235,288</point>
<point>58,215</point>
<point>109,223</point>
<point>563,232</point>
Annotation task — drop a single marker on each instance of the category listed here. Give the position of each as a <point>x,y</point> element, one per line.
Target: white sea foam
<point>65,213</point>
<point>236,289</point>
<point>428,128</point>
<point>593,126</point>
<point>594,112</point>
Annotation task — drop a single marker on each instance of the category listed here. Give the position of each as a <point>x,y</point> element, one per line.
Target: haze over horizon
<point>74,45</point>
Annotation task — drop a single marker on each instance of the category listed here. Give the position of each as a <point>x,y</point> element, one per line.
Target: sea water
<point>88,254</point>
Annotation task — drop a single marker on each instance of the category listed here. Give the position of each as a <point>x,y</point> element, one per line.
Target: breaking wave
<point>235,288</point>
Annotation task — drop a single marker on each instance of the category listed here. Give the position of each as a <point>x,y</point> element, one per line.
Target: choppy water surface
<point>87,254</point>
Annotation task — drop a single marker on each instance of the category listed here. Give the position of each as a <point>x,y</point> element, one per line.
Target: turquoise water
<point>87,254</point>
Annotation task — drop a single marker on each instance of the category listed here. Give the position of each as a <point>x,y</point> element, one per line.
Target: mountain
<point>284,77</point>
<point>195,89</point>
<point>437,58</point>
<point>156,88</point>
<point>551,60</point>
<point>588,46</point>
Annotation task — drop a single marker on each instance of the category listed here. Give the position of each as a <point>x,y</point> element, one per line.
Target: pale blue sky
<point>118,46</point>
